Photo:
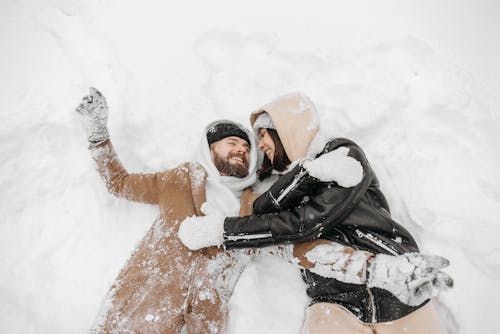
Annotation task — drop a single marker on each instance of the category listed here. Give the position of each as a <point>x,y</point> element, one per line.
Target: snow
<point>412,277</point>
<point>332,261</point>
<point>280,303</point>
<point>204,231</point>
<point>415,84</point>
<point>336,166</point>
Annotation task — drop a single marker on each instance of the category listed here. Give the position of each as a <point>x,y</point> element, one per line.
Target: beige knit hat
<point>263,121</point>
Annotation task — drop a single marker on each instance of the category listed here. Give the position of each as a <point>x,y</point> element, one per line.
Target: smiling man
<point>164,286</point>
<point>229,148</point>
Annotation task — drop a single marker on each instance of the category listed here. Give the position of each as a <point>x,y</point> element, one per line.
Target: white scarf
<point>224,192</point>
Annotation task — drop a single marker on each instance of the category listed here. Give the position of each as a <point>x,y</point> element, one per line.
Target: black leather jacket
<point>298,207</point>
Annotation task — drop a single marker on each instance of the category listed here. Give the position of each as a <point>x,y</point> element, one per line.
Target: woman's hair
<point>280,161</point>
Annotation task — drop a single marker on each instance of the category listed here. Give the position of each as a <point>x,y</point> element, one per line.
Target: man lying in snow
<point>164,285</point>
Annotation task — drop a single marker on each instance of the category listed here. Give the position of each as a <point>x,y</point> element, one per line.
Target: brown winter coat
<point>164,285</point>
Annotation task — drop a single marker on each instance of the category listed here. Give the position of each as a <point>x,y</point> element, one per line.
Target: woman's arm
<point>300,206</point>
<point>309,207</point>
<point>341,162</point>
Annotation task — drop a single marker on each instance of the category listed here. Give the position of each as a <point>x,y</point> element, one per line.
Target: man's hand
<point>198,232</point>
<point>412,277</point>
<point>330,259</point>
<point>95,115</point>
<point>301,251</point>
<point>336,166</point>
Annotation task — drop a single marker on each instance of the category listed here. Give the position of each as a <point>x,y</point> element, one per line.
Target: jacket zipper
<point>372,305</point>
<point>248,236</point>
<point>376,241</point>
<point>275,201</point>
<point>292,185</point>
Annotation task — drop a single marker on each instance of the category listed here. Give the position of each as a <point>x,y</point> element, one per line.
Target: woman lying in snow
<point>385,285</point>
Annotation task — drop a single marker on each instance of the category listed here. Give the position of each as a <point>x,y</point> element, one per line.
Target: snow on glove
<point>198,232</point>
<point>412,277</point>
<point>336,166</point>
<point>94,110</point>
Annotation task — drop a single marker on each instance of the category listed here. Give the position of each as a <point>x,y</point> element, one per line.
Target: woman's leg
<point>424,320</point>
<point>327,318</point>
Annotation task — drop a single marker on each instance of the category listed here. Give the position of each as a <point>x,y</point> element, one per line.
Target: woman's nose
<point>261,145</point>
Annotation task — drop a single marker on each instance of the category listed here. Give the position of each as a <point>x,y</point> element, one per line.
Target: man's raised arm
<point>135,187</point>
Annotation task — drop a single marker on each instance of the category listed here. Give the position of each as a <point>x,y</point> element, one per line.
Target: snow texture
<point>94,111</point>
<point>393,77</point>
<point>332,261</point>
<point>412,277</point>
<point>336,166</point>
<point>198,232</point>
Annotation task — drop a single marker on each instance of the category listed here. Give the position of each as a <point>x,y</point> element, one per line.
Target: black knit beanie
<point>225,129</point>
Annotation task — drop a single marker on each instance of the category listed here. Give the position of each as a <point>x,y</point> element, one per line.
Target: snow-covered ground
<point>415,83</point>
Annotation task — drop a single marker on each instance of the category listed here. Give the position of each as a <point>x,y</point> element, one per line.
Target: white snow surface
<point>415,84</point>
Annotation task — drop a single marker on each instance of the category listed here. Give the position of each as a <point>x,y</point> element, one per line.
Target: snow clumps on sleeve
<point>336,166</point>
<point>335,261</point>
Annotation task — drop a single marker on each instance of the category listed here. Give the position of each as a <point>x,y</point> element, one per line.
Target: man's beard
<point>227,168</point>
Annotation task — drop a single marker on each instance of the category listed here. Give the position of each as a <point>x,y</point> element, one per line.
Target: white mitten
<point>412,277</point>
<point>94,110</point>
<point>198,232</point>
<point>336,166</point>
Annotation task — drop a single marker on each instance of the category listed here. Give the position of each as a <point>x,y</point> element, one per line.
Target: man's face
<point>231,156</point>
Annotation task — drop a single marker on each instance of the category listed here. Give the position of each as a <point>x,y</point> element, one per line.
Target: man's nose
<point>242,148</point>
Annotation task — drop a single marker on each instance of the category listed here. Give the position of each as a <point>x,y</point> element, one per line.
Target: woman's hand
<point>198,232</point>
<point>336,166</point>
<point>94,110</point>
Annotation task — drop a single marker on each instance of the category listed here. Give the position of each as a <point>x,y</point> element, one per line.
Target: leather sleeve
<point>300,207</point>
<point>280,196</point>
<point>135,187</point>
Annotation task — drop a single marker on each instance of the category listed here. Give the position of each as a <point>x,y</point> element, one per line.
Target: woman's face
<point>266,144</point>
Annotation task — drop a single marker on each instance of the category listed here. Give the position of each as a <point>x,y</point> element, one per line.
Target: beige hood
<point>296,122</point>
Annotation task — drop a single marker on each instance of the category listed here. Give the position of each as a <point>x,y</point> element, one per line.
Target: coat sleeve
<point>298,207</point>
<point>134,187</point>
<point>287,192</point>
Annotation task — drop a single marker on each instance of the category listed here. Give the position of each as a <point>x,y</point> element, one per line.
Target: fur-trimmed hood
<point>296,121</point>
